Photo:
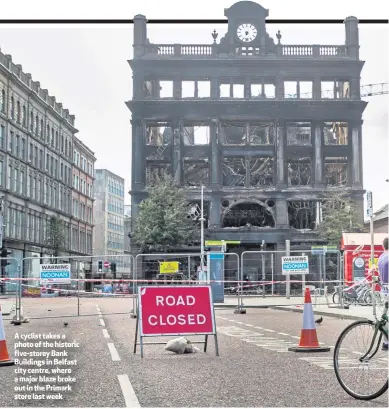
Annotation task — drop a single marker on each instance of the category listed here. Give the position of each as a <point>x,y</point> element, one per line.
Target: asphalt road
<point>252,371</point>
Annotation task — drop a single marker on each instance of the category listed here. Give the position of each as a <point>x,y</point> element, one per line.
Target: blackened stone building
<point>269,129</point>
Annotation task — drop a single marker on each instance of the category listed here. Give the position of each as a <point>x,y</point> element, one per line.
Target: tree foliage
<point>339,216</point>
<point>163,221</point>
<point>55,235</point>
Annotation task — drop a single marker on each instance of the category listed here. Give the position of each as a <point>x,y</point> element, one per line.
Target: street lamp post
<point>202,230</point>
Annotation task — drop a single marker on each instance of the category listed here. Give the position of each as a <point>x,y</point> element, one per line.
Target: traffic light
<point>100,266</point>
<point>4,255</point>
<point>113,267</point>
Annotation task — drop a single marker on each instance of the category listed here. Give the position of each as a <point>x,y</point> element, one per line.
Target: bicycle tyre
<point>368,297</point>
<point>335,298</point>
<point>338,377</point>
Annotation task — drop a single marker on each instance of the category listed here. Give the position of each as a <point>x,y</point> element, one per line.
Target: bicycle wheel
<point>367,297</point>
<point>336,298</point>
<point>353,374</point>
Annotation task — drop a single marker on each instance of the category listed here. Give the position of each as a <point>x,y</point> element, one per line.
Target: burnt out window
<point>298,133</point>
<point>335,133</point>
<point>336,171</point>
<point>299,172</point>
<point>196,172</point>
<point>155,173</point>
<point>234,171</point>
<point>158,134</point>
<point>302,214</point>
<point>196,134</point>
<point>248,214</point>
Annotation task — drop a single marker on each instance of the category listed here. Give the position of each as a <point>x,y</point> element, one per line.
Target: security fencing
<point>262,274</point>
<point>9,271</point>
<point>221,270</point>
<point>72,281</point>
<point>236,281</point>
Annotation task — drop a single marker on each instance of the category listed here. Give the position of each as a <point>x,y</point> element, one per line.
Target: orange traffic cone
<point>5,359</point>
<point>308,338</point>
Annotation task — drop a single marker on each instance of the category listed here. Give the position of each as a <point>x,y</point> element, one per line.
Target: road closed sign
<point>176,310</point>
<point>295,265</point>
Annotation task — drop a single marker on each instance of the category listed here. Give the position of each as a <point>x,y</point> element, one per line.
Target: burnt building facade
<point>268,129</point>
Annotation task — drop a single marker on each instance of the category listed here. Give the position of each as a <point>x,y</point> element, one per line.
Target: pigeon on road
<point>65,324</point>
<point>319,320</point>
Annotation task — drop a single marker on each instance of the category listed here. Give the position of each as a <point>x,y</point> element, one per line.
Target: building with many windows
<point>109,217</point>
<point>36,160</point>
<point>270,130</point>
<point>82,197</point>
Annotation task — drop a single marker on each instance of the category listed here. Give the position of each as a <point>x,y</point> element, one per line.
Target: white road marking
<point>105,333</point>
<point>100,315</point>
<point>258,327</point>
<point>283,333</point>
<point>102,323</point>
<point>128,392</point>
<point>114,353</point>
<point>249,325</point>
<point>269,330</point>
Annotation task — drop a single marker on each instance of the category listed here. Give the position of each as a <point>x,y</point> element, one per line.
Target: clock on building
<point>246,32</point>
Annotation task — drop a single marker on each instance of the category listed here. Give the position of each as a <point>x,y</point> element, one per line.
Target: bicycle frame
<point>379,327</point>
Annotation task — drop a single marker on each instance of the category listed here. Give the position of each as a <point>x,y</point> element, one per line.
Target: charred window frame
<point>297,89</point>
<point>336,171</point>
<point>149,89</point>
<point>196,172</point>
<point>196,88</point>
<point>158,134</point>
<point>262,133</point>
<point>299,133</point>
<point>194,212</point>
<point>246,133</point>
<point>299,172</point>
<point>335,89</point>
<point>196,134</point>
<point>166,89</point>
<point>234,171</point>
<point>262,89</point>
<point>156,172</point>
<point>335,133</point>
<point>303,215</point>
<point>234,133</point>
<point>261,171</point>
<point>248,214</point>
<point>232,88</point>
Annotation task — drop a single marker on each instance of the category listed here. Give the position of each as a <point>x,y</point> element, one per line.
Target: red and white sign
<point>176,310</point>
<point>106,264</point>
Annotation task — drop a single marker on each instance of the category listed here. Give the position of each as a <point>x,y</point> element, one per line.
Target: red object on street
<point>106,264</point>
<point>176,310</point>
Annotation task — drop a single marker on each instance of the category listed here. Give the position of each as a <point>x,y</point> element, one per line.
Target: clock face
<point>246,32</point>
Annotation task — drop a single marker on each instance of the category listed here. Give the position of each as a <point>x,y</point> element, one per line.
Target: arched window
<point>2,101</point>
<point>36,125</point>
<point>12,108</point>
<point>18,113</point>
<point>56,139</point>
<point>52,136</point>
<point>31,121</point>
<point>42,128</point>
<point>47,133</point>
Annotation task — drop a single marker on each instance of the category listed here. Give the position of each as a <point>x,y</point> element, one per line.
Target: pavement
<point>254,369</point>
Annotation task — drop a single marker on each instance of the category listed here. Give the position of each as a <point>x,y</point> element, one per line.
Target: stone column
<point>138,177</point>
<point>215,155</point>
<point>280,143</point>
<point>318,155</point>
<point>177,159</point>
<point>281,213</point>
<point>215,212</point>
<point>356,164</point>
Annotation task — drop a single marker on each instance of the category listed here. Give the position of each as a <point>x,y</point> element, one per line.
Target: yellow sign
<point>375,262</point>
<point>168,267</point>
<point>220,242</point>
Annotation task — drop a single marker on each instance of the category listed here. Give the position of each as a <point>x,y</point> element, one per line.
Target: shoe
<point>385,346</point>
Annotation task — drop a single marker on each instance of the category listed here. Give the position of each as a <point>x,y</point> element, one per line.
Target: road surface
<point>254,368</point>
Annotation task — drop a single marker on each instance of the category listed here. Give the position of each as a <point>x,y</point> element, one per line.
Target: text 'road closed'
<point>168,310</point>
